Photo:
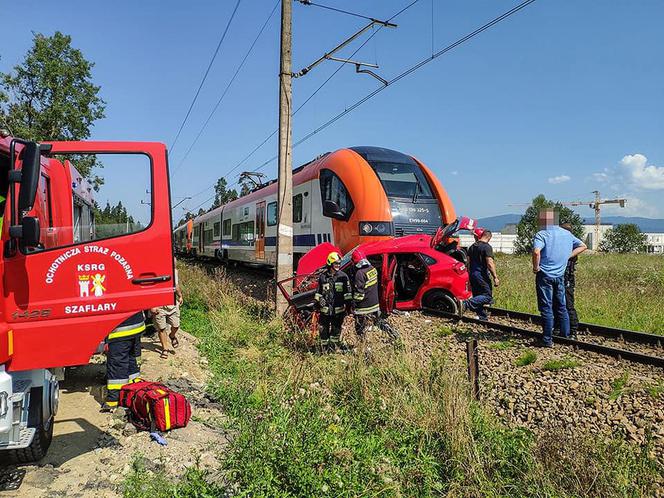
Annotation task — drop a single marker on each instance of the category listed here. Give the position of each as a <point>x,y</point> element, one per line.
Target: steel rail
<point>620,354</point>
<point>591,328</point>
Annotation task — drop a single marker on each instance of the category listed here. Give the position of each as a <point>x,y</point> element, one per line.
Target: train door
<point>260,231</point>
<point>201,237</point>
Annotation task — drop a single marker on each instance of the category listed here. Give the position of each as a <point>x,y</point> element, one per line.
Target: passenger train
<point>351,196</point>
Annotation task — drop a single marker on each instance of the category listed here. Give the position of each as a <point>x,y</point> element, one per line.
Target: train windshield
<point>402,180</point>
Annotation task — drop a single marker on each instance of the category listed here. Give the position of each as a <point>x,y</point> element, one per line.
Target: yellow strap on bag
<point>167,413</point>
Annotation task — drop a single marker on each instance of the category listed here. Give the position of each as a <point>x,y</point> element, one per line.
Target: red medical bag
<point>154,406</point>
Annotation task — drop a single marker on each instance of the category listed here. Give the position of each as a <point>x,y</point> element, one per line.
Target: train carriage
<point>347,197</point>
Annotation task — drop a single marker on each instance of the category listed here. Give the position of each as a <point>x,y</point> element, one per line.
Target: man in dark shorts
<point>481,268</point>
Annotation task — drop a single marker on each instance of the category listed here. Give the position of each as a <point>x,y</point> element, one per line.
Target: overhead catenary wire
<point>205,75</point>
<point>335,9</point>
<point>306,101</point>
<point>237,71</point>
<point>405,73</point>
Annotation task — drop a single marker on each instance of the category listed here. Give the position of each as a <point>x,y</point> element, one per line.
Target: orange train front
<point>354,195</point>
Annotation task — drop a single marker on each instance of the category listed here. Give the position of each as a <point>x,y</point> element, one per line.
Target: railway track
<point>589,328</point>
<point>616,352</point>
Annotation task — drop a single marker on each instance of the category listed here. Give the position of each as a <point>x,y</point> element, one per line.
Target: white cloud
<point>601,177</point>
<point>559,179</point>
<point>454,173</point>
<point>640,174</point>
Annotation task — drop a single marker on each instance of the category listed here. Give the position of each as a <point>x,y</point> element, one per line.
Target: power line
<point>339,68</point>
<point>207,71</point>
<point>237,71</point>
<point>341,11</point>
<point>405,73</point>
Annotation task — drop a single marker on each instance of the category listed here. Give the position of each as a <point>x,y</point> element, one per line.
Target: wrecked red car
<point>416,271</point>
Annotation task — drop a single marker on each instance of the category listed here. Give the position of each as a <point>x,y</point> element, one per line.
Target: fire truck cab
<point>72,268</point>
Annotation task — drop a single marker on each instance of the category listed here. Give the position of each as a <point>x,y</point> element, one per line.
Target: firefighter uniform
<point>124,347</point>
<point>365,296</point>
<point>332,297</point>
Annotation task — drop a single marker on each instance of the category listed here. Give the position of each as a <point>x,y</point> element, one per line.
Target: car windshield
<point>402,180</point>
<point>346,259</point>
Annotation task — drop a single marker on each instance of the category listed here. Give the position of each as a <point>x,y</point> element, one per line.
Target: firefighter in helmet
<point>332,300</point>
<point>124,347</point>
<point>365,293</point>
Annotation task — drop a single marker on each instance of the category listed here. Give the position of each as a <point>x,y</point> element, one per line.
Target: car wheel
<point>441,301</point>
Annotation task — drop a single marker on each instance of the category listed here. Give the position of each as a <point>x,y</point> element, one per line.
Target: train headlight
<point>376,228</point>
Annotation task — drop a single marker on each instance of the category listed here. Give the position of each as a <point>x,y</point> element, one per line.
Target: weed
<point>560,364</point>
<point>618,386</point>
<point>526,358</point>
<point>656,389</point>
<point>401,424</point>
<point>444,331</point>
<point>502,345</point>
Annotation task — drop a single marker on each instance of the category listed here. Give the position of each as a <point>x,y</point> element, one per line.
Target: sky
<point>563,98</point>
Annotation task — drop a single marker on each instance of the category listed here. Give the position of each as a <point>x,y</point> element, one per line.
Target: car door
<point>61,301</point>
<point>387,274</point>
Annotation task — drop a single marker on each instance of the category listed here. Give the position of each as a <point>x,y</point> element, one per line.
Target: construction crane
<point>595,204</point>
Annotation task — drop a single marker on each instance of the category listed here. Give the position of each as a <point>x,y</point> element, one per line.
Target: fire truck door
<point>387,275</point>
<point>63,298</point>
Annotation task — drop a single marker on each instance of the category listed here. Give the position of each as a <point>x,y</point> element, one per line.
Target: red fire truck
<point>69,275</point>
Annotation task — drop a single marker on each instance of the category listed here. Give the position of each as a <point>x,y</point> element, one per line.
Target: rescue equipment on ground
<point>153,406</point>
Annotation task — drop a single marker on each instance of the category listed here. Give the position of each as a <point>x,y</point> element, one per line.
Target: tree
<point>624,238</point>
<point>221,194</point>
<point>51,96</point>
<point>528,225</point>
<point>245,190</point>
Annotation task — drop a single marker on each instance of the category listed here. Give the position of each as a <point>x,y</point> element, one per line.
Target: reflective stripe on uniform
<point>317,296</point>
<point>358,296</point>
<point>136,377</point>
<point>339,309</point>
<point>115,384</point>
<point>366,311</point>
<point>111,403</point>
<point>348,296</point>
<point>133,330</point>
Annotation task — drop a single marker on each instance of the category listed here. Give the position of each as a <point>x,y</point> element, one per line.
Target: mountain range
<point>496,223</point>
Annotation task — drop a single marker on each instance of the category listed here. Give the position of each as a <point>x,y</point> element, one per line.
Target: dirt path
<point>91,453</point>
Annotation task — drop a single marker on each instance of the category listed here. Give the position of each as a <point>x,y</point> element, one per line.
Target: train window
<point>333,189</point>
<point>271,214</point>
<point>402,180</point>
<point>297,208</point>
<point>243,232</point>
<point>217,229</point>
<point>227,226</point>
<point>207,237</point>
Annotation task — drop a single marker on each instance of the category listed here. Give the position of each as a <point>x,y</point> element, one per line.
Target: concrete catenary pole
<point>284,263</point>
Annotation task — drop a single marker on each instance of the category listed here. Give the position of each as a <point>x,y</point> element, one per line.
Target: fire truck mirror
<point>29,176</point>
<point>332,210</point>
<point>28,231</point>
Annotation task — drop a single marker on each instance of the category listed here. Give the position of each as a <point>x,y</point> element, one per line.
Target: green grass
<point>502,345</point>
<point>526,358</point>
<point>656,389</point>
<point>617,290</point>
<point>338,425</point>
<point>618,386</point>
<point>560,364</point>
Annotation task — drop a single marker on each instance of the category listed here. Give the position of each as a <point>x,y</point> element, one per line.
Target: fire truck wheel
<point>43,433</point>
<point>440,300</point>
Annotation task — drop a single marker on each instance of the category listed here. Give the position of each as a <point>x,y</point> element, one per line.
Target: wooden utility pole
<point>284,263</point>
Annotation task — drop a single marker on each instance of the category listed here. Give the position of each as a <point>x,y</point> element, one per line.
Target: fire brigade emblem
<point>91,285</point>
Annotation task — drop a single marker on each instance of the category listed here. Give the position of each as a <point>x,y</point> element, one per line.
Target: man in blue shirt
<point>553,246</point>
